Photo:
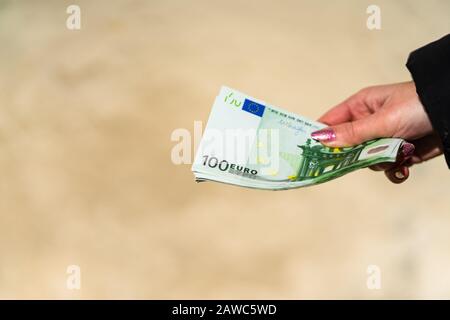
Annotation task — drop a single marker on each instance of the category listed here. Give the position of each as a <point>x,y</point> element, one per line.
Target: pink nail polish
<point>408,149</point>
<point>324,135</point>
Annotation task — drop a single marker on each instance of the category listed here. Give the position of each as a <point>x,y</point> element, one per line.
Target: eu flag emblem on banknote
<point>253,107</point>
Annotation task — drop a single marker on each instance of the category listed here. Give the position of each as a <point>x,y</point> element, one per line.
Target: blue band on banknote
<point>253,107</point>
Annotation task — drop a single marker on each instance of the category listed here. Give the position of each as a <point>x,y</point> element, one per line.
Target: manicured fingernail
<point>399,175</point>
<point>324,135</point>
<point>408,149</point>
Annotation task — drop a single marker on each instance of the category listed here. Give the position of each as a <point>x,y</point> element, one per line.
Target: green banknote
<point>250,143</point>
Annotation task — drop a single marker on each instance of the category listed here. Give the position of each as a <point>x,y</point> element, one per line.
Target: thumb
<point>350,133</point>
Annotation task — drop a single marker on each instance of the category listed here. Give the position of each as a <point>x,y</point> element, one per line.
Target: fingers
<point>405,154</point>
<point>351,133</point>
<point>427,148</point>
<point>397,174</point>
<point>338,114</point>
<point>358,106</point>
<point>353,108</point>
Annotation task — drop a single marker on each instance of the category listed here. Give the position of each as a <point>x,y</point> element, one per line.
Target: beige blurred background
<point>86,176</point>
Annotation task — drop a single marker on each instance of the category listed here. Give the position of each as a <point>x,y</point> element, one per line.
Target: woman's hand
<point>382,112</point>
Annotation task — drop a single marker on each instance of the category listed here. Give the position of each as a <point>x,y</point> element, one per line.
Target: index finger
<point>338,114</point>
<point>353,108</point>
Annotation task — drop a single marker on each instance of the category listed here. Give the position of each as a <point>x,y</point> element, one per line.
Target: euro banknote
<point>250,143</point>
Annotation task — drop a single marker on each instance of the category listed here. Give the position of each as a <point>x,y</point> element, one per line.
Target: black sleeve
<point>430,69</point>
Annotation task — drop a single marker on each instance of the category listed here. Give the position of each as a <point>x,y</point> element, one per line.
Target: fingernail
<point>408,149</point>
<point>324,135</point>
<point>399,175</point>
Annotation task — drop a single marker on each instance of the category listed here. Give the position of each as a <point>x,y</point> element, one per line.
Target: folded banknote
<point>250,143</point>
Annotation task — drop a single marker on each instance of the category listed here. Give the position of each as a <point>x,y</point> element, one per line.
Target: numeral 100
<point>213,162</point>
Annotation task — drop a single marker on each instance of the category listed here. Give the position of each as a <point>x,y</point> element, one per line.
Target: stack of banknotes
<point>250,143</point>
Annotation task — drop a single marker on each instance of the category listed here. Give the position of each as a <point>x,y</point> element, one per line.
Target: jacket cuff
<point>430,70</point>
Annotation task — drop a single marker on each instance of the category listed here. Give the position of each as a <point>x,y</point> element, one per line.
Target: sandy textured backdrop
<point>86,175</point>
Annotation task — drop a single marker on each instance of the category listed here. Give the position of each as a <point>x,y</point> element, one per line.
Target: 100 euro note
<point>250,143</point>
